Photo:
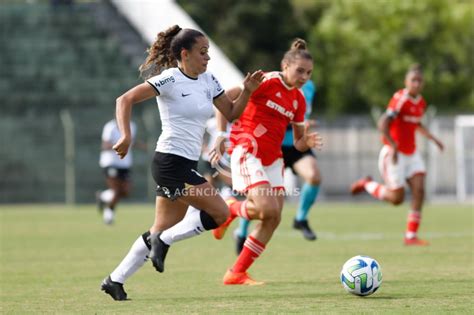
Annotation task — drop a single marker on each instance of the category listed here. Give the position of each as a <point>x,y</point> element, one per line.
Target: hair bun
<point>298,44</point>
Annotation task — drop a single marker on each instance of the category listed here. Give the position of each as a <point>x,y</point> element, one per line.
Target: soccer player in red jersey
<point>399,160</point>
<point>256,156</point>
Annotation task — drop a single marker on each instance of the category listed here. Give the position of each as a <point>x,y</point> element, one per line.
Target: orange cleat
<point>359,186</point>
<point>240,278</point>
<point>415,241</point>
<point>219,231</point>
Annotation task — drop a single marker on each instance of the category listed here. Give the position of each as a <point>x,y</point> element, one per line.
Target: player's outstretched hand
<point>121,147</point>
<point>439,144</point>
<point>312,139</point>
<point>252,81</point>
<point>218,151</point>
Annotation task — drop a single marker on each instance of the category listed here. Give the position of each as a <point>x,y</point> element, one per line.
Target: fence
<point>34,159</point>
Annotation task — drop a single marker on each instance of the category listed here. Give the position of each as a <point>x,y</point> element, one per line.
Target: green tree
<point>363,48</point>
<point>252,33</point>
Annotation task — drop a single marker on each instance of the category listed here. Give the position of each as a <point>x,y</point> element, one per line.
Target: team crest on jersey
<point>208,94</point>
<point>164,81</point>
<point>295,104</point>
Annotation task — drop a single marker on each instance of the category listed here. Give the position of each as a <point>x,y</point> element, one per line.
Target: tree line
<point>361,48</point>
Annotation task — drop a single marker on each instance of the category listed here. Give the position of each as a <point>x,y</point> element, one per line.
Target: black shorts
<point>172,173</point>
<point>205,167</point>
<point>116,172</point>
<point>291,156</point>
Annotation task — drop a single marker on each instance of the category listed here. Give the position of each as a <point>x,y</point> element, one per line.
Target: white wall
<point>149,17</point>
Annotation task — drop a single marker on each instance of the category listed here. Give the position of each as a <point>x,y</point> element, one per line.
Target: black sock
<point>207,221</point>
<point>146,239</point>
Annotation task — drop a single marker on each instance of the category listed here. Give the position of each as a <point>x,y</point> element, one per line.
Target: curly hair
<point>165,52</point>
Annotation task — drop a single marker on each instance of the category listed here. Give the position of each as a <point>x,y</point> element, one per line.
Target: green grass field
<point>54,257</point>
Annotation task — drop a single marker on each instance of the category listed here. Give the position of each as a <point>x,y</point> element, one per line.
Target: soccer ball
<point>361,275</point>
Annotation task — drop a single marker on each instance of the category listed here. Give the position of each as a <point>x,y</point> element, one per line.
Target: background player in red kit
<point>256,156</point>
<point>399,160</point>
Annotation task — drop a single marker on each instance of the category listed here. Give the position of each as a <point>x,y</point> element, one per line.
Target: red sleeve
<point>393,103</point>
<point>396,102</point>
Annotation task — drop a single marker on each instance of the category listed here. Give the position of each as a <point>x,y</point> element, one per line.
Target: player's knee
<point>221,215</point>
<point>315,180</point>
<point>271,216</point>
<point>398,199</point>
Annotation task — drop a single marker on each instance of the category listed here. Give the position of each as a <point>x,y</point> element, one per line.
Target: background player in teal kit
<point>302,164</point>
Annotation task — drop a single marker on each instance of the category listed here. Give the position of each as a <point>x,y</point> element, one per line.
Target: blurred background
<point>64,62</point>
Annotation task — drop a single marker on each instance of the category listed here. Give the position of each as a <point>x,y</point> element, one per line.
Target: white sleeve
<point>162,83</point>
<point>216,87</point>
<point>107,132</point>
<point>133,130</point>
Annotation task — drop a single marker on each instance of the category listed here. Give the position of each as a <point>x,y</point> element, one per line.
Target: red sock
<point>251,251</point>
<point>239,209</point>
<point>375,189</point>
<point>413,222</point>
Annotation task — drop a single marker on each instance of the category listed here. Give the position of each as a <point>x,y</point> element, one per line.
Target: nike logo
<point>184,95</point>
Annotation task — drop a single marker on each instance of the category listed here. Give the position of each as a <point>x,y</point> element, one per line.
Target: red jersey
<point>262,125</point>
<point>407,112</point>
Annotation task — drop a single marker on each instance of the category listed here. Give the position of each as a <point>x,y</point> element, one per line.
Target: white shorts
<point>248,171</point>
<point>395,175</point>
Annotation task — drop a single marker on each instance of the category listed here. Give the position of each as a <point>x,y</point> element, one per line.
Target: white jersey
<point>111,134</point>
<point>185,104</point>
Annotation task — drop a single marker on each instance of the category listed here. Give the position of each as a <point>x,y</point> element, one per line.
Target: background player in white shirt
<point>185,94</point>
<point>117,171</point>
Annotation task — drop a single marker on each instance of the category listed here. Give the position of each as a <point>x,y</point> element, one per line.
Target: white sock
<point>188,227</point>
<point>376,190</point>
<point>108,216</point>
<point>136,257</point>
<point>107,195</point>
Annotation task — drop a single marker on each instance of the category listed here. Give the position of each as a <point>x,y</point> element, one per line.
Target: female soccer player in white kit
<point>185,93</point>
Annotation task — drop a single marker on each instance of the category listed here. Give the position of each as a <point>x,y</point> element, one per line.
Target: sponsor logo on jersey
<point>218,85</point>
<point>184,95</point>
<point>165,81</point>
<point>278,94</point>
<point>412,119</point>
<point>280,109</point>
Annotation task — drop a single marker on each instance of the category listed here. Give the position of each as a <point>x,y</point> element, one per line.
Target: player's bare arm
<point>218,148</point>
<point>123,113</point>
<point>304,139</point>
<point>425,132</point>
<point>233,108</point>
<point>384,127</point>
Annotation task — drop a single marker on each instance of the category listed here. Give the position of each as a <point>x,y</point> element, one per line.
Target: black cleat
<point>303,226</point>
<point>114,289</point>
<point>158,252</point>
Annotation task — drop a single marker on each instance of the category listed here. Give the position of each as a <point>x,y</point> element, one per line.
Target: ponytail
<point>160,56</point>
